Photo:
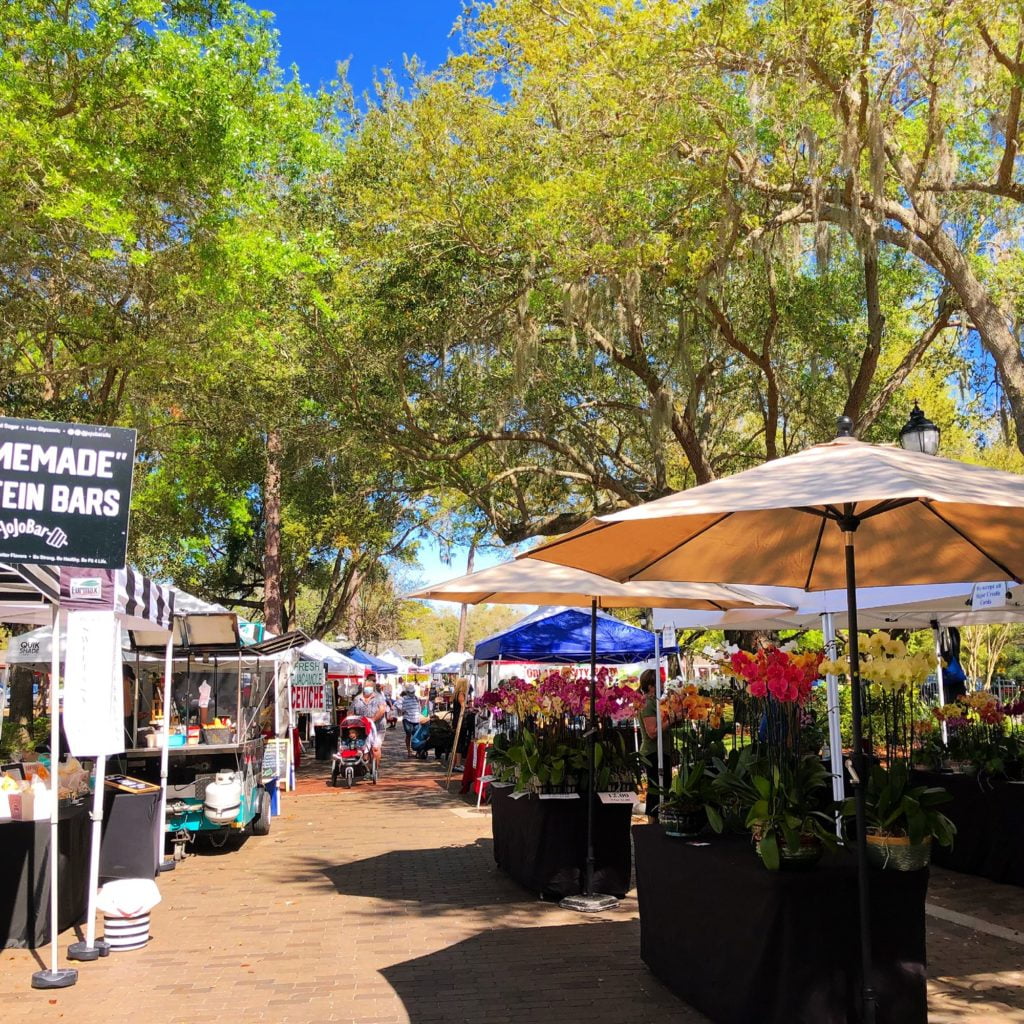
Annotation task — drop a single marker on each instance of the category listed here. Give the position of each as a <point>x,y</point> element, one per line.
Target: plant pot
<point>682,823</point>
<point>897,853</point>
<point>806,855</point>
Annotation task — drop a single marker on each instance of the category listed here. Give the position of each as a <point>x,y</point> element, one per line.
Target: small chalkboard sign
<point>275,759</point>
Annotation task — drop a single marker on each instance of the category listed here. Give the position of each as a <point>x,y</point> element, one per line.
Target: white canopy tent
<point>452,663</point>
<point>336,662</point>
<point>926,606</point>
<point>403,666</point>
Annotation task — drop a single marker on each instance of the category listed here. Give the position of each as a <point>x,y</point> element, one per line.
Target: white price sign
<point>988,595</point>
<point>621,797</point>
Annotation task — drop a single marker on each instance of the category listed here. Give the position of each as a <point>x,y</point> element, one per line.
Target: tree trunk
<point>272,609</point>
<point>464,610</point>
<point>21,710</point>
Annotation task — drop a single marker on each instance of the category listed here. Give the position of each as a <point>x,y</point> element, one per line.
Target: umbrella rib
<point>890,505</point>
<point>977,547</point>
<point>814,556</point>
<point>671,551</point>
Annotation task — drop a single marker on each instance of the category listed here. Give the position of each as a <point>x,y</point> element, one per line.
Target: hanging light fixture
<point>919,434</point>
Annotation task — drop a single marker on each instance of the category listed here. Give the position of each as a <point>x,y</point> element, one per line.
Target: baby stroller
<point>435,734</point>
<point>354,757</point>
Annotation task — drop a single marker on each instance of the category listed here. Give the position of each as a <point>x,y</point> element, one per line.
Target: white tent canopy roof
<point>453,661</point>
<point>317,650</point>
<point>910,607</point>
<point>403,666</point>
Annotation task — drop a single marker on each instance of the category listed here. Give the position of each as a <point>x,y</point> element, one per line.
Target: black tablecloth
<point>542,844</point>
<point>741,943</point>
<point>989,819</point>
<point>25,877</point>
<point>130,837</point>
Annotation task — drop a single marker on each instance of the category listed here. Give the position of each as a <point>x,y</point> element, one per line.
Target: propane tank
<point>223,801</point>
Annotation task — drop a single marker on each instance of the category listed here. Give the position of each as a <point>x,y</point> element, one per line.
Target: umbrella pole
<point>848,525</point>
<point>591,902</point>
<point>55,977</point>
<point>835,735</point>
<point>938,673</point>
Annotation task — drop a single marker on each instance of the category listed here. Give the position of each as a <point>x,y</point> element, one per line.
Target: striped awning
<point>27,592</point>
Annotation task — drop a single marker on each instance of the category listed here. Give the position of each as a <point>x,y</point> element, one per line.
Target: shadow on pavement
<point>437,879</point>
<point>587,972</point>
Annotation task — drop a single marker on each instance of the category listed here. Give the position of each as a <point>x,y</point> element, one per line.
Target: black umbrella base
<point>65,977</point>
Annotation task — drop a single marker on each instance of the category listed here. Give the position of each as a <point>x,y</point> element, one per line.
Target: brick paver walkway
<point>383,906</point>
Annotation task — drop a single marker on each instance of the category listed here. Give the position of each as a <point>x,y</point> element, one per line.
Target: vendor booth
<point>119,838</point>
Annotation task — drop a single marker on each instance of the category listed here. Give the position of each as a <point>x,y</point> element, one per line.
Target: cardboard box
<point>26,806</point>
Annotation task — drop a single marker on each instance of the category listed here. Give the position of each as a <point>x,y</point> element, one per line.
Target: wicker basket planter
<point>897,853</point>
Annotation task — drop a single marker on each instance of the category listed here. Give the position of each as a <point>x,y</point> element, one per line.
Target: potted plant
<point>902,819</point>
<point>789,820</point>
<point>683,810</point>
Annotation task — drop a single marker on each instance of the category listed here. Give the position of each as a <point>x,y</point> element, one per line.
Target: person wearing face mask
<point>372,705</point>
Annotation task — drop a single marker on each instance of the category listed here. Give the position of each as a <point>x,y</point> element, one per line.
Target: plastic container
<point>219,734</point>
<point>176,739</point>
<point>126,933</point>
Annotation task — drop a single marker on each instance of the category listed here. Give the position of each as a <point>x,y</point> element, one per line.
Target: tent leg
<point>55,977</point>
<point>657,698</point>
<point>591,902</point>
<point>941,680</point>
<point>161,825</point>
<point>835,735</point>
<point>860,771</point>
<point>91,948</point>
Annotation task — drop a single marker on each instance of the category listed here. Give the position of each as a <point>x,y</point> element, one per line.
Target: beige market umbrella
<point>529,581</point>
<point>827,517</point>
<point>918,519</point>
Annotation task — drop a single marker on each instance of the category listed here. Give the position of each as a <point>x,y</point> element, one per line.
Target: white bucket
<point>126,933</point>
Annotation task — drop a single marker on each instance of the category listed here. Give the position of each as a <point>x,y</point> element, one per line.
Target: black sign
<point>65,490</point>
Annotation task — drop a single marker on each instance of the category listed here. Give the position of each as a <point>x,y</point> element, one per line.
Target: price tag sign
<point>621,797</point>
<point>988,595</point>
<point>559,796</point>
<point>668,637</point>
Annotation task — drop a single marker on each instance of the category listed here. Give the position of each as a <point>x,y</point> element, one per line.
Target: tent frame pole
<point>939,676</point>
<point>657,706</point>
<point>165,865</point>
<point>835,735</point>
<point>590,902</point>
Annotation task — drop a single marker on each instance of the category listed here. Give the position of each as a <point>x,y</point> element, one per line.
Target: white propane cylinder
<point>223,800</point>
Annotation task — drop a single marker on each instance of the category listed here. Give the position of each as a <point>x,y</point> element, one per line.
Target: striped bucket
<point>125,933</point>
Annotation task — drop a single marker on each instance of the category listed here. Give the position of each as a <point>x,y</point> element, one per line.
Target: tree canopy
<point>606,251</point>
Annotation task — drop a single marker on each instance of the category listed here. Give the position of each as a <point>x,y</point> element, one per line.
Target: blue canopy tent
<point>563,635</point>
<point>375,664</point>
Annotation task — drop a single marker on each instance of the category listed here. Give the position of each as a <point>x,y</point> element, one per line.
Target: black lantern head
<point>919,433</point>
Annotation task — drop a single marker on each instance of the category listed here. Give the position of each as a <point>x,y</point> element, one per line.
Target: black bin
<point>325,741</point>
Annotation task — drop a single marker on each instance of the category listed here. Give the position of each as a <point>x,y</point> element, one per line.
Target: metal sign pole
<point>55,977</point>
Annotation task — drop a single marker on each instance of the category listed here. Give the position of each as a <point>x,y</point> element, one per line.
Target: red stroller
<point>354,757</point>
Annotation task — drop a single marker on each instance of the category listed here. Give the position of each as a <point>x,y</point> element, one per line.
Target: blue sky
<point>316,34</point>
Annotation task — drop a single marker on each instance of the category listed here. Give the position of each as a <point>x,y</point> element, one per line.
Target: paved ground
<point>383,906</point>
